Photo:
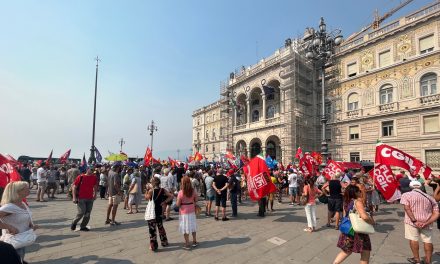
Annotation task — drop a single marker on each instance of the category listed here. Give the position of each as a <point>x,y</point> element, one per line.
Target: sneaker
<point>73,227</point>
<point>107,221</point>
<point>84,229</point>
<point>115,223</point>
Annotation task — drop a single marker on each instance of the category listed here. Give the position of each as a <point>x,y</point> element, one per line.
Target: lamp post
<point>320,47</point>
<point>92,158</point>
<point>197,145</point>
<point>121,142</point>
<point>152,128</point>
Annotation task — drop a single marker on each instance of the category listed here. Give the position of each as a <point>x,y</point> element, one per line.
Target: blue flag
<point>98,156</point>
<point>83,166</point>
<point>270,162</point>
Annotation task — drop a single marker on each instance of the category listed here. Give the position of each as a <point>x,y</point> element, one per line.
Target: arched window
<point>255,116</point>
<point>428,84</point>
<point>255,102</point>
<point>386,94</point>
<point>353,102</point>
<point>270,112</point>
<point>213,117</point>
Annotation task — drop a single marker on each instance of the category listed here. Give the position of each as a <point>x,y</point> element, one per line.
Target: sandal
<point>413,261</point>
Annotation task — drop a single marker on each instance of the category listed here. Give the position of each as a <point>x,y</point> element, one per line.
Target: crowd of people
<point>180,189</point>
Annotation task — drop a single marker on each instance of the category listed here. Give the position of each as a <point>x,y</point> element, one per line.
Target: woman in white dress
<point>186,200</point>
<point>15,216</point>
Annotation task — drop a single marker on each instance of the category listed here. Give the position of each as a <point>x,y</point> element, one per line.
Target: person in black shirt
<point>220,186</point>
<point>334,189</point>
<point>25,173</point>
<point>234,187</point>
<point>161,197</point>
<point>179,174</point>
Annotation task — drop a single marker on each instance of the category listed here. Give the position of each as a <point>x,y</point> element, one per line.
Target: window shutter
<point>351,69</point>
<point>384,58</point>
<point>431,124</point>
<point>426,43</point>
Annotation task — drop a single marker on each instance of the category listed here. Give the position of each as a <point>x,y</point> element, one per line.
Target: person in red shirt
<point>84,191</point>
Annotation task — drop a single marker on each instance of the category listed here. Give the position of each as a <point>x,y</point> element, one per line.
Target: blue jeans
<point>234,203</point>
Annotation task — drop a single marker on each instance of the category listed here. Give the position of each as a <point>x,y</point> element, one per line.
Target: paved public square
<point>240,240</point>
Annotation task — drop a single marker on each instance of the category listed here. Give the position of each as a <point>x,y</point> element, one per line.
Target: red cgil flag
<point>258,178</point>
<point>385,182</point>
<point>65,157</point>
<point>7,172</point>
<point>332,168</point>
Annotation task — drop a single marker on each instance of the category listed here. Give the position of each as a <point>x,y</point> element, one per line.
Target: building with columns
<point>387,90</point>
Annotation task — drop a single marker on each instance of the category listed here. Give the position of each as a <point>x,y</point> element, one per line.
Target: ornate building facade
<point>387,90</point>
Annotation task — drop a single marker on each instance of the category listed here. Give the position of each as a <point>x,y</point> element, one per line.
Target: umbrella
<point>116,157</point>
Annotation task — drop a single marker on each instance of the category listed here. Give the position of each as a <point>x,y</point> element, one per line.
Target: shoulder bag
<point>304,199</point>
<point>150,212</point>
<point>22,239</point>
<point>359,224</point>
<point>345,227</point>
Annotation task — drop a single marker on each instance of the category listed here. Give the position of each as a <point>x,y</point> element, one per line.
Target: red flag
<point>299,153</point>
<point>332,168</point>
<point>317,156</point>
<point>190,158</point>
<point>390,156</point>
<point>65,157</point>
<point>308,165</point>
<point>385,182</point>
<point>232,165</point>
<point>7,172</point>
<point>148,157</point>
<point>49,159</point>
<point>229,155</point>
<point>198,156</point>
<point>245,160</point>
<point>258,178</point>
<point>155,161</point>
<point>172,162</point>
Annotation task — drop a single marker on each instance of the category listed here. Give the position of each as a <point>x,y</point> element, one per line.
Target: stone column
<point>263,97</point>
<point>248,104</point>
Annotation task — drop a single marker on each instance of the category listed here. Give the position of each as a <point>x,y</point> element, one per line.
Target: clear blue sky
<point>160,60</point>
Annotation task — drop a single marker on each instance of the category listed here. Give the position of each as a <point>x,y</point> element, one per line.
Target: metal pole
<point>92,158</point>
<point>324,148</point>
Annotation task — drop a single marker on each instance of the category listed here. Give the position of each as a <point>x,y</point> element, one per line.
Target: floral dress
<point>356,243</point>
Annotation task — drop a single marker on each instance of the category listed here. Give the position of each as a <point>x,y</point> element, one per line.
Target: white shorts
<point>415,234</point>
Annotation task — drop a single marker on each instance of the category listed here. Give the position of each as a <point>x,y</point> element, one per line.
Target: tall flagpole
<point>92,158</point>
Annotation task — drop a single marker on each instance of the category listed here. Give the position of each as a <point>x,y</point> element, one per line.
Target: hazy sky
<point>160,60</point>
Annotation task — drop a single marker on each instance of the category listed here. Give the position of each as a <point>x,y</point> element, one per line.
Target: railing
<point>384,30</point>
<point>240,127</point>
<point>255,69</point>
<point>435,98</point>
<point>354,113</point>
<point>272,121</point>
<point>388,107</point>
<point>393,25</point>
<point>256,124</point>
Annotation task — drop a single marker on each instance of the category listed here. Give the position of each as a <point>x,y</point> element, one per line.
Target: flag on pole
<point>49,159</point>
<point>83,166</point>
<point>229,155</point>
<point>65,157</point>
<point>98,156</point>
<point>258,178</point>
<point>299,154</point>
<point>148,157</point>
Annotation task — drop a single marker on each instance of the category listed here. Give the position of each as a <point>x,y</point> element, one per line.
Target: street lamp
<point>121,142</point>
<point>152,128</point>
<point>92,158</point>
<point>320,46</point>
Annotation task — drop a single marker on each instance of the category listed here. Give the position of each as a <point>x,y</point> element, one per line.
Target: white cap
<point>415,184</point>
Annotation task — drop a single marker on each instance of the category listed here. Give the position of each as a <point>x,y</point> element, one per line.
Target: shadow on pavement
<point>223,241</point>
<point>56,220</point>
<point>85,259</point>
<point>383,228</point>
<point>291,218</point>
<point>124,225</point>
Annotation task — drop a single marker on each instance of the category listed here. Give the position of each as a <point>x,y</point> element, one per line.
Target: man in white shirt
<point>167,182</point>
<point>42,182</point>
<point>293,186</point>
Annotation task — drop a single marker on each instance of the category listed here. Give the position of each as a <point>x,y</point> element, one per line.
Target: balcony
<point>354,113</point>
<point>240,127</point>
<point>273,121</point>
<point>430,99</point>
<point>256,124</point>
<point>388,107</point>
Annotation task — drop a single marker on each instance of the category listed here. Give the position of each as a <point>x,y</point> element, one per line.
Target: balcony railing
<point>354,113</point>
<point>388,107</point>
<point>240,127</point>
<point>430,99</point>
<point>273,121</point>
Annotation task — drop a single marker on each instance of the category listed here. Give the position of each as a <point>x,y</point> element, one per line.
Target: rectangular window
<point>351,69</point>
<point>355,157</point>
<point>384,58</point>
<point>387,128</point>
<point>431,124</point>
<point>354,132</point>
<point>328,134</point>
<point>432,158</point>
<point>426,44</point>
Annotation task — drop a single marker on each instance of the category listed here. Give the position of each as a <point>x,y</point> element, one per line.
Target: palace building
<point>381,85</point>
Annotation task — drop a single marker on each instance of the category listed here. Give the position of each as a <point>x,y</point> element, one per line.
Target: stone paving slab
<point>240,240</point>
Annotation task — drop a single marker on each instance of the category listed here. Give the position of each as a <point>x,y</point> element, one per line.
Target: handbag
<point>150,212</point>
<point>135,189</point>
<point>22,239</point>
<point>359,224</point>
<point>304,199</point>
<point>345,227</point>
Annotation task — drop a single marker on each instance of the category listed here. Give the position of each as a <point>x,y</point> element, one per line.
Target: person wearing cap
<point>421,210</point>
